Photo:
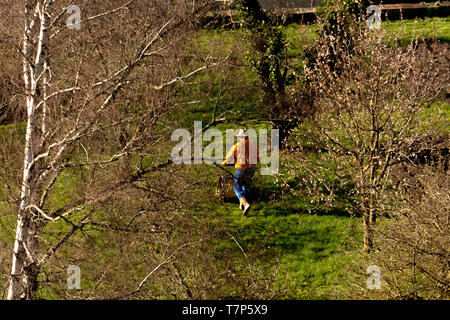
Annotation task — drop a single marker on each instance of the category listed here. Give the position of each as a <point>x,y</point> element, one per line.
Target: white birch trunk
<point>24,271</point>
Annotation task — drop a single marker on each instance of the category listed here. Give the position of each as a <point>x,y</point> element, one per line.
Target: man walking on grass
<point>244,156</point>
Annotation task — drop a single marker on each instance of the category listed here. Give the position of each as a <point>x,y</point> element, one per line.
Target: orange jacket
<point>240,153</point>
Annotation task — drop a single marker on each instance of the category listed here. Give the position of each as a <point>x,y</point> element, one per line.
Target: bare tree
<point>366,106</point>
<point>93,97</point>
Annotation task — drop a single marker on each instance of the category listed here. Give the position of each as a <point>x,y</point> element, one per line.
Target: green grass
<point>406,30</point>
<point>438,110</point>
<point>310,245</point>
<point>427,28</point>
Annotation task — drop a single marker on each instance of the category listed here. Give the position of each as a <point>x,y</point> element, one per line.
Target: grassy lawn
<point>427,28</point>
<point>406,30</point>
<point>313,248</point>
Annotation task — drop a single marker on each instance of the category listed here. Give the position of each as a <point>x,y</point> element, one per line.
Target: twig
<point>232,237</point>
<point>156,268</point>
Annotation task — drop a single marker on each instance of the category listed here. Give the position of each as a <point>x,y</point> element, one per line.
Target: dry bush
<point>412,244</point>
<point>414,247</point>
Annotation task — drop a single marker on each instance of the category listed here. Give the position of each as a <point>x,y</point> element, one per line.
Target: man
<point>244,155</point>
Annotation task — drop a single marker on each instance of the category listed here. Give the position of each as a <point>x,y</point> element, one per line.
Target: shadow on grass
<point>308,236</point>
<point>267,200</point>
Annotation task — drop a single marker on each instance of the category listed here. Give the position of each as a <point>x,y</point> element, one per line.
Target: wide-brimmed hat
<point>242,134</point>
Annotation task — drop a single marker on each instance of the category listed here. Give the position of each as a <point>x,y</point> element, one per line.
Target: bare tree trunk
<point>368,231</point>
<point>25,270</point>
<point>369,220</point>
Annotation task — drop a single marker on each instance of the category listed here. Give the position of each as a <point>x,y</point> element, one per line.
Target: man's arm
<point>230,156</point>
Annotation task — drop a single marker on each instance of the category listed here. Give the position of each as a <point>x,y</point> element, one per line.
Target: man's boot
<point>241,203</point>
<point>244,205</point>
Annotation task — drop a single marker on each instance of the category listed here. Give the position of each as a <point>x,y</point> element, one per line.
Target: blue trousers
<point>242,182</point>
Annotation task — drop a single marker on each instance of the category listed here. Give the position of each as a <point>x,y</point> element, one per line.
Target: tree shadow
<point>269,201</point>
